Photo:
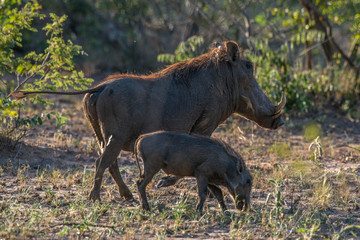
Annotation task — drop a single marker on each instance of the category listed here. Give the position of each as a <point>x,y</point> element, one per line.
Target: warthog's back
<point>180,154</point>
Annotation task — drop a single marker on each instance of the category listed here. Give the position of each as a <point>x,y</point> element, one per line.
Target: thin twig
<point>89,224</point>
<point>292,229</point>
<point>17,153</point>
<point>43,64</point>
<point>347,145</point>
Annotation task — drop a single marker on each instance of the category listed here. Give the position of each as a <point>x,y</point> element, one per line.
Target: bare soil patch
<point>298,192</point>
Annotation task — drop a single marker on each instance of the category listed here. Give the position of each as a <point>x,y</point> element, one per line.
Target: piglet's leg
<point>219,196</point>
<point>141,185</point>
<point>202,182</point>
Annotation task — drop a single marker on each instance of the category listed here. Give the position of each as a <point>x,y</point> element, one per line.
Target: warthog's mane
<point>227,148</point>
<point>231,152</point>
<point>184,70</point>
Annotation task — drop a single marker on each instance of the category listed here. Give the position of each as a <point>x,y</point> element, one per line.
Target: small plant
<point>345,229</point>
<point>322,193</point>
<point>276,194</point>
<point>50,194</point>
<point>55,178</point>
<point>41,178</point>
<point>91,146</point>
<point>181,209</point>
<point>317,153</point>
<point>64,231</point>
<point>22,174</point>
<point>309,233</point>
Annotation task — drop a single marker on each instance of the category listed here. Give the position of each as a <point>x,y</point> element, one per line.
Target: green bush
<point>185,50</point>
<point>275,74</point>
<point>51,69</point>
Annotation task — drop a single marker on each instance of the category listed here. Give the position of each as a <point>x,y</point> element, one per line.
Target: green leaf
<point>302,230</point>
<point>260,19</point>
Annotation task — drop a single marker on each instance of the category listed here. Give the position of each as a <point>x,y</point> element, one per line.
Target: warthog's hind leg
<point>123,189</point>
<point>167,181</point>
<point>108,157</point>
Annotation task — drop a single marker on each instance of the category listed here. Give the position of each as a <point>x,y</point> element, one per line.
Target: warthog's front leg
<point>202,183</point>
<point>219,196</point>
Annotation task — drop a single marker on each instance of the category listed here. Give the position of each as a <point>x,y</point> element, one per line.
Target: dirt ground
<point>302,188</point>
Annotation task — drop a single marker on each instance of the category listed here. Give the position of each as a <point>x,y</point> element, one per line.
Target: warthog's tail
<point>136,156</point>
<point>22,94</point>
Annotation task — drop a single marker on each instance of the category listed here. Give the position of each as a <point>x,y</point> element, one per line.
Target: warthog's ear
<point>232,50</point>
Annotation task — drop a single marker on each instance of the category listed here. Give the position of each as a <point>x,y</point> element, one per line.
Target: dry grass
<point>45,181</point>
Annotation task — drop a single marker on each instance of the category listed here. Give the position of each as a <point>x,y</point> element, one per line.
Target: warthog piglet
<point>211,161</point>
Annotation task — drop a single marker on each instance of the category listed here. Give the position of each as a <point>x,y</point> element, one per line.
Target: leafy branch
<point>51,69</point>
<point>54,68</point>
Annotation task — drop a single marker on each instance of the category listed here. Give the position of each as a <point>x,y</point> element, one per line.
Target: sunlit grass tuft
<point>311,131</point>
<point>280,149</point>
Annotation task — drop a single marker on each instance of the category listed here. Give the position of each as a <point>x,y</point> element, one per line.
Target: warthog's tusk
<point>281,105</point>
<point>276,115</point>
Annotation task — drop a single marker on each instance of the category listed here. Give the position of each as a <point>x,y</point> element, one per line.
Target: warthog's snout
<point>278,122</point>
<point>242,193</point>
<point>243,203</point>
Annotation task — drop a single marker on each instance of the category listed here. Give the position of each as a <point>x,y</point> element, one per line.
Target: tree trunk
<point>328,51</point>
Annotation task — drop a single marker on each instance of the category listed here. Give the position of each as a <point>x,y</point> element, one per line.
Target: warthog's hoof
<point>127,195</point>
<point>145,207</point>
<point>94,195</point>
<point>167,181</point>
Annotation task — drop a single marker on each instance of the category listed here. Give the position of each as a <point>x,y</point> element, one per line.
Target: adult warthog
<point>193,96</point>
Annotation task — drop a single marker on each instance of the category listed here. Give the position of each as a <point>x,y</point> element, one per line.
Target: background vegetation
<point>307,48</point>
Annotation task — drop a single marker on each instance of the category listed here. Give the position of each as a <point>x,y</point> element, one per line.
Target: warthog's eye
<point>218,44</point>
<point>248,65</point>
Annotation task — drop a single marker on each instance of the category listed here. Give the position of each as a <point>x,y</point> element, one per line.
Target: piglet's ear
<point>240,166</point>
<point>232,50</point>
<point>230,182</point>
